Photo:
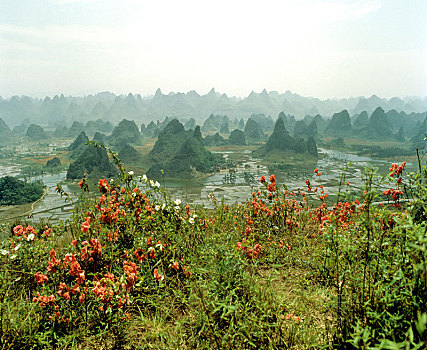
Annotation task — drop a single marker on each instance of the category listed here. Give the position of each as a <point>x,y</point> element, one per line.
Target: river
<point>233,187</point>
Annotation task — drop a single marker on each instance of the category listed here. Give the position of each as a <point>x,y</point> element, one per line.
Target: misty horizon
<point>213,89</point>
<point>321,48</point>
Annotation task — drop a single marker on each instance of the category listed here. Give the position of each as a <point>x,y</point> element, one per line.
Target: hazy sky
<point>322,48</point>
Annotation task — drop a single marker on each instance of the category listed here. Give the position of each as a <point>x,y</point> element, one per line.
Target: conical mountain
<point>280,138</point>
<point>129,154</point>
<point>126,130</point>
<point>378,123</point>
<point>400,136</point>
<point>361,121</point>
<point>75,129</point>
<point>79,141</point>
<point>5,132</point>
<point>180,153</point>
<point>339,125</point>
<point>237,137</point>
<point>94,163</point>
<point>99,138</point>
<point>253,132</point>
<point>419,140</point>
<point>36,132</point>
<point>78,145</point>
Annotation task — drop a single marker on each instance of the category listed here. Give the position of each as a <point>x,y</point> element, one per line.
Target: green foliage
<point>419,139</point>
<point>128,154</point>
<point>237,137</point>
<point>214,140</point>
<point>94,163</point>
<point>253,132</point>
<point>76,129</point>
<point>136,268</point>
<point>14,191</point>
<point>5,132</point>
<point>36,132</point>
<point>339,125</point>
<point>375,260</point>
<point>53,163</point>
<point>78,146</point>
<point>126,131</point>
<point>280,140</point>
<point>180,153</point>
<point>378,123</point>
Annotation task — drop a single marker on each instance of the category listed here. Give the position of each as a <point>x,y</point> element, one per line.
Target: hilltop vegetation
<point>180,153</point>
<point>136,268</point>
<point>14,191</point>
<point>92,162</point>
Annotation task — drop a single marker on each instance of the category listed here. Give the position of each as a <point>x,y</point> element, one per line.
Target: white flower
<point>157,207</point>
<point>151,183</point>
<point>4,252</point>
<point>144,178</point>
<point>158,245</point>
<point>17,247</point>
<point>178,201</point>
<point>191,221</point>
<point>157,184</point>
<point>163,206</point>
<point>30,237</point>
<point>111,180</point>
<point>131,173</point>
<point>194,216</point>
<point>177,208</point>
<point>13,256</point>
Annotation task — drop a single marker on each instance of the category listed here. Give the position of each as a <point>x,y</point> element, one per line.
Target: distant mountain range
<point>105,105</point>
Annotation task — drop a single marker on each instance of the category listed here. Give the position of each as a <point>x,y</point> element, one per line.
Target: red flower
<point>175,265</point>
<point>85,227</point>
<point>272,179</point>
<point>40,278</point>
<point>316,170</point>
<point>103,186</point>
<point>18,230</point>
<point>81,183</point>
<point>158,276</point>
<point>82,298</point>
<point>262,179</point>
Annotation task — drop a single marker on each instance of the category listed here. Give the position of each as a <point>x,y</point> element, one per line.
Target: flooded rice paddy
<point>232,186</point>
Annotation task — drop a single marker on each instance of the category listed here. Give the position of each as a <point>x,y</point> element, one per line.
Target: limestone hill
<point>126,130</point>
<point>180,153</point>
<point>339,125</point>
<point>5,132</point>
<point>280,140</point>
<point>94,163</point>
<point>36,132</point>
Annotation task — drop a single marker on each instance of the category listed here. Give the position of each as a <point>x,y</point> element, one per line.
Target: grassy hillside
<point>136,269</point>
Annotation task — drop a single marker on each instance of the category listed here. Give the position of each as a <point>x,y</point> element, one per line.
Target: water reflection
<point>232,186</point>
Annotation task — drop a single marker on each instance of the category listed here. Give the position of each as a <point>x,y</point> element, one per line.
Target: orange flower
<point>82,298</point>
<point>85,226</point>
<point>40,278</point>
<point>158,276</point>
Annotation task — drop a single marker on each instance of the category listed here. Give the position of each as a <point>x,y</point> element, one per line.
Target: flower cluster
<point>396,169</point>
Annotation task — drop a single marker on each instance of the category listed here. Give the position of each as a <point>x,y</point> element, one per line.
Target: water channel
<point>232,187</point>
